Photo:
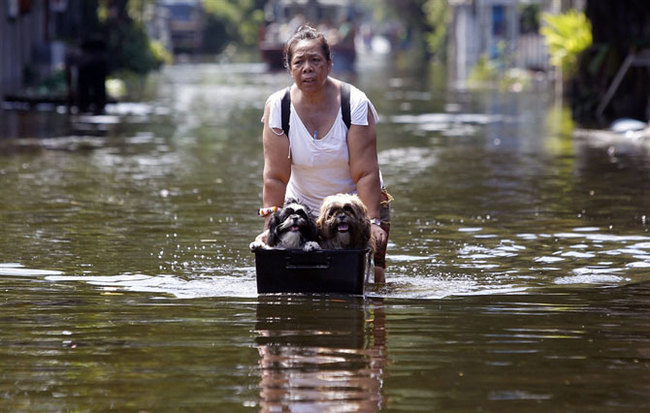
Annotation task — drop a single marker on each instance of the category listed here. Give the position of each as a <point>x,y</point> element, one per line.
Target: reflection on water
<point>517,278</point>
<point>325,355</point>
<point>559,351</point>
<point>68,347</point>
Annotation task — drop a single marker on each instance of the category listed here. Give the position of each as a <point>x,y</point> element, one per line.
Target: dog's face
<point>291,227</point>
<point>343,223</point>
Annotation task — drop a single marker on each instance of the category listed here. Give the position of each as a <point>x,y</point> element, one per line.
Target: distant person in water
<point>321,156</point>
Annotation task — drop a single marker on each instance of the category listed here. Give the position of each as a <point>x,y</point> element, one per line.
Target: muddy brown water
<point>518,274</point>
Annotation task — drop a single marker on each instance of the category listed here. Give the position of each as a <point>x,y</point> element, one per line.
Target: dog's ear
<point>312,230</point>
<point>320,221</point>
<point>366,231</point>
<point>360,209</point>
<point>274,221</point>
<point>308,212</point>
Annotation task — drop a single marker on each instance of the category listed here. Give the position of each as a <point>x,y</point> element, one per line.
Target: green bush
<point>566,35</point>
<point>129,49</point>
<point>160,54</point>
<point>484,72</point>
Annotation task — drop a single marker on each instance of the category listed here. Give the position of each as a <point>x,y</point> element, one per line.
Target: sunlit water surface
<point>518,259</point>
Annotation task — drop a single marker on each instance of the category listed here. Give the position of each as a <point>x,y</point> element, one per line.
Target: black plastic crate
<point>313,272</point>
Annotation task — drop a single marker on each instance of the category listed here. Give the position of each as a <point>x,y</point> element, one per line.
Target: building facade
<point>495,30</point>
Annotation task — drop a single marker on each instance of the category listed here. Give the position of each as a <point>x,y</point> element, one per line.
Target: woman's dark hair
<point>305,32</point>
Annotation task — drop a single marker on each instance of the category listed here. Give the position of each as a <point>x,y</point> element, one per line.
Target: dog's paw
<point>257,245</point>
<point>260,241</point>
<point>311,246</point>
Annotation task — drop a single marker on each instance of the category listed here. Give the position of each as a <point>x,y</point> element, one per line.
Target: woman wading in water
<point>321,156</point>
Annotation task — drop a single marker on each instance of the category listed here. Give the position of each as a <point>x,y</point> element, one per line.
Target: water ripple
<point>204,286</point>
<point>18,270</point>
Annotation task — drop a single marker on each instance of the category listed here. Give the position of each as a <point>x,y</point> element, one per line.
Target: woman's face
<point>309,66</point>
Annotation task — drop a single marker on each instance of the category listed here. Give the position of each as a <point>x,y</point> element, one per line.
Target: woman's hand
<point>262,236</point>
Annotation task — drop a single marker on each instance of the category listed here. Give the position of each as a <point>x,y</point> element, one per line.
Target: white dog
<point>291,227</point>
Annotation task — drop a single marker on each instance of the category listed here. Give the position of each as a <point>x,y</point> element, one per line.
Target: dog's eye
<point>348,209</point>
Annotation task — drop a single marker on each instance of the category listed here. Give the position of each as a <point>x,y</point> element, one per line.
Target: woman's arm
<point>364,167</point>
<point>277,165</point>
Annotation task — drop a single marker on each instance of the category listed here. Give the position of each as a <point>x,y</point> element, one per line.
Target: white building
<point>492,29</point>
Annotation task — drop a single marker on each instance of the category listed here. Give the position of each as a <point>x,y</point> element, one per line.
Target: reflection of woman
<point>341,368</point>
<point>321,157</point>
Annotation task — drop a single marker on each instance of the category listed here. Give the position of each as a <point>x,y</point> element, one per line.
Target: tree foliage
<point>232,21</point>
<point>128,45</point>
<point>436,13</point>
<point>623,22</point>
<point>424,24</point>
<point>567,35</point>
<point>618,29</point>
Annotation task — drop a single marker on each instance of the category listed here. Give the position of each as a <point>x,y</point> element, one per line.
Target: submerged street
<point>517,274</point>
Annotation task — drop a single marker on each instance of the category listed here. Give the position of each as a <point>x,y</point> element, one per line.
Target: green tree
<point>128,44</point>
<point>618,29</point>
<point>436,13</point>
<point>424,23</point>
<point>567,35</point>
<point>232,21</point>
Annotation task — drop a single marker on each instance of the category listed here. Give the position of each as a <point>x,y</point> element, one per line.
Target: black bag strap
<point>345,104</point>
<point>286,110</point>
<point>345,107</point>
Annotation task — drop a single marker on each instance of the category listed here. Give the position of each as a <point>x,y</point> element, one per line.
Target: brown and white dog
<point>343,223</point>
<point>291,227</point>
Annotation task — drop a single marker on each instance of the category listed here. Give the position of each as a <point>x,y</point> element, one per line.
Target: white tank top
<point>320,167</point>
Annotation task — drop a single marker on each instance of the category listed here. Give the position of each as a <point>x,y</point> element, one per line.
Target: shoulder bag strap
<point>286,111</point>
<point>345,107</point>
<point>345,104</point>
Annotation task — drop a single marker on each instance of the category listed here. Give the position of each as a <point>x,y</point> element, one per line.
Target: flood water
<point>518,278</point>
